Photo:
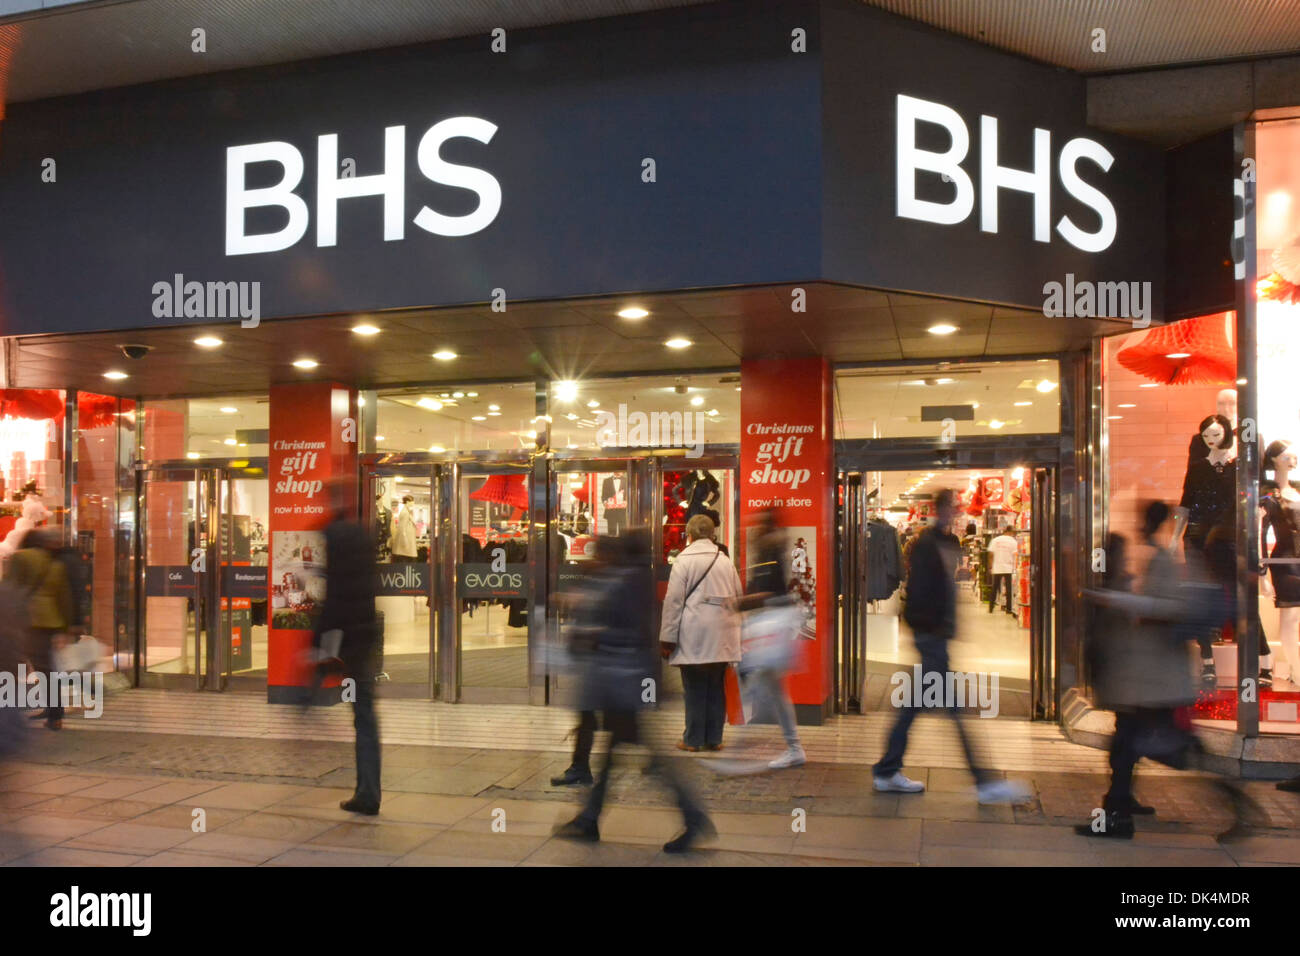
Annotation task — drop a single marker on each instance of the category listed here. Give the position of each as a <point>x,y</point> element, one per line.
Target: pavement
<point>111,797</point>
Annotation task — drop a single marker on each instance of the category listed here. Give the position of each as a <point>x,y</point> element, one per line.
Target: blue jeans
<point>767,689</point>
<point>934,659</point>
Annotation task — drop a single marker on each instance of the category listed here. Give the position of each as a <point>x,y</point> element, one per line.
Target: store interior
<point>989,639</point>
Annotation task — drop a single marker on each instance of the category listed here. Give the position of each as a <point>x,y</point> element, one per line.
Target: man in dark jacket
<point>931,612</point>
<point>350,609</point>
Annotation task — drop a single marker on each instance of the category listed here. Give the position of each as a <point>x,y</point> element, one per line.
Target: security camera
<point>135,351</point>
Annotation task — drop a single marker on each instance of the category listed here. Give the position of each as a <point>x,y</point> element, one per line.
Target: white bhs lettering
<point>1037,181</point>
<point>331,187</point>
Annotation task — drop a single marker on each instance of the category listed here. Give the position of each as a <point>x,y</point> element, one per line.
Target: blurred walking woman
<point>39,575</point>
<point>700,632</point>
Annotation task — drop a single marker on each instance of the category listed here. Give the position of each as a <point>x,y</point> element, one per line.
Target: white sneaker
<point>897,784</point>
<point>1003,791</point>
<point>793,757</point>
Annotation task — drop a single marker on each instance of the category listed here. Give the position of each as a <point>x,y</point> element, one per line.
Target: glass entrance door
<point>203,599</point>
<point>490,548</point>
<point>400,503</point>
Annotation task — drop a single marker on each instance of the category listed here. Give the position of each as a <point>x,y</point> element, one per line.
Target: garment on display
<point>884,560</point>
<point>699,491</point>
<point>1210,486</point>
<point>404,532</point>
<point>613,500</point>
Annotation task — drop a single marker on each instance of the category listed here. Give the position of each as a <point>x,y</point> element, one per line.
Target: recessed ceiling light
<point>1241,381</point>
<point>208,342</point>
<point>229,409</point>
<point>115,375</point>
<point>478,418</point>
<point>444,355</point>
<point>996,424</point>
<point>678,343</point>
<point>711,411</point>
<point>571,416</point>
<point>944,381</point>
<point>230,441</point>
<point>457,394</point>
<point>943,328</point>
<point>191,454</point>
<point>1114,417</point>
<point>305,363</point>
<point>632,312</point>
<point>1021,404</point>
<point>566,391</point>
<point>1149,385</point>
<point>1127,405</point>
<point>430,403</point>
<point>436,449</point>
<point>1179,355</point>
<point>494,408</point>
<point>1045,386</point>
<point>494,414</point>
<point>593,404</point>
<point>379,438</point>
<point>471,394</point>
<point>365,329</point>
<point>697,400</point>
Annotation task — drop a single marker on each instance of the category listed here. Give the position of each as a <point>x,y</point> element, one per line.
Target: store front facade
<point>412,272</point>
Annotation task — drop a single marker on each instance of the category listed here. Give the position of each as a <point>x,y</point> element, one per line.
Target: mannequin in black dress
<point>1225,405</point>
<point>1208,493</point>
<point>698,491</point>
<point>1280,512</point>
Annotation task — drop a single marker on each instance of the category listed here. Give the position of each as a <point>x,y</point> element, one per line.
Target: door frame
<point>211,657</point>
<point>1037,453</point>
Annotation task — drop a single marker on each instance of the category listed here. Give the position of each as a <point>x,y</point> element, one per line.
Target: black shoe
<point>1290,786</point>
<point>356,806</point>
<point>572,777</point>
<point>1140,809</point>
<point>1119,826</point>
<point>702,828</point>
<point>578,829</point>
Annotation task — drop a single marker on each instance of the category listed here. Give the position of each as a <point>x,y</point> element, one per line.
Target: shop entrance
<point>1006,601</point>
<point>605,496</point>
<point>202,600</point>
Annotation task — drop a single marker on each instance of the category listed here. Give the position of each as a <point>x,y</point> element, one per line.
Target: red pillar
<point>312,469</point>
<point>787,463</point>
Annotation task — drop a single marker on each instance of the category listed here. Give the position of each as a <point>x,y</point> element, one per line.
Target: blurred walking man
<point>931,612</point>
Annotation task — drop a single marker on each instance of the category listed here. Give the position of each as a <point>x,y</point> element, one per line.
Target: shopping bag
<point>767,638</point>
<point>79,656</point>
<point>735,706</point>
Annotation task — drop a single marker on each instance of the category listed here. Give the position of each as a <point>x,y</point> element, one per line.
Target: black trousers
<point>615,520</point>
<point>586,739</point>
<point>623,728</point>
<point>998,582</point>
<point>706,703</point>
<point>42,655</point>
<point>366,724</point>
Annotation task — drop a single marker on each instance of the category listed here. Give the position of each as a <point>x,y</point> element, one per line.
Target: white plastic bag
<point>767,638</point>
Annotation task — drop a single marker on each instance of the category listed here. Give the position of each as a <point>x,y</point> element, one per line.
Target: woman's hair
<point>1154,515</point>
<point>1226,441</point>
<point>699,527</point>
<point>1271,453</point>
<point>1116,560</point>
<point>406,498</point>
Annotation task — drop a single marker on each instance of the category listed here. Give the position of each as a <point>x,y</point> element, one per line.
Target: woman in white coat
<point>404,530</point>
<point>701,632</point>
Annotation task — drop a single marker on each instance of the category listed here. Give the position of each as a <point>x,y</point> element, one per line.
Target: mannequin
<point>1280,511</point>
<point>404,530</point>
<point>698,491</point>
<point>1209,487</point>
<point>613,495</point>
<point>1225,405</point>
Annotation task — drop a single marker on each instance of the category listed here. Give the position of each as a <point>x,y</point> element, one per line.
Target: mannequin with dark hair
<point>1280,512</point>
<point>1209,487</point>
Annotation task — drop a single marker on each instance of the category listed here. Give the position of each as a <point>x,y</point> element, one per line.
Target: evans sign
<point>332,185</point>
<point>1037,181</point>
